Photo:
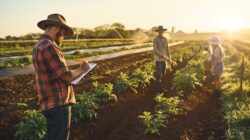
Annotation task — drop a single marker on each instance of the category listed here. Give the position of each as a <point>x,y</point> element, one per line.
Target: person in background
<point>53,78</point>
<point>161,56</point>
<point>217,54</point>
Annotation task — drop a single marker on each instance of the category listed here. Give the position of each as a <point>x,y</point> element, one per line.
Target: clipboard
<point>91,67</point>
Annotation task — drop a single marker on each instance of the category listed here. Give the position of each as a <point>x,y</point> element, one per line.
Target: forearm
<point>76,73</point>
<point>162,55</point>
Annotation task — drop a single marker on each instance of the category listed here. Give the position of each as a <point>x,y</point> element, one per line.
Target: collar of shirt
<point>160,37</point>
<point>46,36</point>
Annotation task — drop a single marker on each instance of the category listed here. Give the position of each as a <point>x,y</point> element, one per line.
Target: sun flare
<point>230,24</point>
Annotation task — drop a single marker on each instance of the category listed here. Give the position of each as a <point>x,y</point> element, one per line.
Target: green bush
<point>86,107</point>
<point>32,126</point>
<point>123,83</point>
<point>167,105</point>
<point>103,92</point>
<point>188,78</point>
<point>153,122</point>
<point>164,108</point>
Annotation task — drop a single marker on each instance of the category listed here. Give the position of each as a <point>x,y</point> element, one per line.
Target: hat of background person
<point>214,41</point>
<point>56,19</point>
<point>160,28</point>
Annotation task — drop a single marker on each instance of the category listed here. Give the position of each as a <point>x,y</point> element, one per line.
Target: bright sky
<point>19,17</point>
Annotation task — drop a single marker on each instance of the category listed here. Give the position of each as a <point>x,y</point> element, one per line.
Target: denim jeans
<point>58,122</point>
<point>160,71</point>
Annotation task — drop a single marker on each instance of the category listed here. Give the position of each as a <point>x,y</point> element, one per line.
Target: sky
<point>19,17</point>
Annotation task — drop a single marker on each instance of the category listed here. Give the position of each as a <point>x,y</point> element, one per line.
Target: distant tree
<point>180,32</point>
<point>139,29</point>
<point>102,27</point>
<point>152,30</point>
<point>8,37</point>
<point>118,26</point>
<point>30,36</point>
<point>87,33</point>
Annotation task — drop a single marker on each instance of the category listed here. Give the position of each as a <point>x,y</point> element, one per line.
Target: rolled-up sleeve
<point>56,63</point>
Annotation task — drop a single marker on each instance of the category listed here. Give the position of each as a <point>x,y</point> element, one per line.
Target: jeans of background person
<point>58,122</point>
<point>160,71</point>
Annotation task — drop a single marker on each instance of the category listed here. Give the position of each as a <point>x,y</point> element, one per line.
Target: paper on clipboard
<point>91,66</point>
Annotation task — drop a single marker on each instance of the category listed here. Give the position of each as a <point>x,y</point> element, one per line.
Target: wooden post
<point>242,75</point>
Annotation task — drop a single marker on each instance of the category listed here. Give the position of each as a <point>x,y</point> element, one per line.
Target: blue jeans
<point>58,122</point>
<point>160,71</point>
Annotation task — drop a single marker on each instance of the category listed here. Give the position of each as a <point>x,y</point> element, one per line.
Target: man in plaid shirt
<point>53,78</point>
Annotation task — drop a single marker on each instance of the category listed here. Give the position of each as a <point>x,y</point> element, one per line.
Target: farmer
<point>53,79</point>
<point>161,56</point>
<point>217,54</point>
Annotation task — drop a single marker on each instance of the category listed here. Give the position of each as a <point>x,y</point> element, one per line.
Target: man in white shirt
<point>161,55</point>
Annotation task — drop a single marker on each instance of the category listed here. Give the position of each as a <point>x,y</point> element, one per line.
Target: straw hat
<point>160,28</point>
<point>56,19</point>
<point>214,41</point>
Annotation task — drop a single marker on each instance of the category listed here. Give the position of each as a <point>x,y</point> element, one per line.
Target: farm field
<point>18,53</point>
<point>116,99</point>
<point>125,70</point>
<point>111,98</point>
<point>25,47</point>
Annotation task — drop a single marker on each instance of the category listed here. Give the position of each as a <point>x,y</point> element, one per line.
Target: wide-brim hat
<point>56,19</point>
<point>214,41</point>
<point>160,28</point>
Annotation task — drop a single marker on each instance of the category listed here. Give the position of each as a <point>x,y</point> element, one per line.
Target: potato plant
<point>164,108</point>
<point>103,92</point>
<point>188,78</point>
<point>32,126</point>
<point>85,108</point>
<point>139,78</point>
<point>153,122</point>
<point>123,83</point>
<point>167,105</point>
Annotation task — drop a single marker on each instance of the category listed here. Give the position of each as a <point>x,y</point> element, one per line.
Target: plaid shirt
<point>52,77</point>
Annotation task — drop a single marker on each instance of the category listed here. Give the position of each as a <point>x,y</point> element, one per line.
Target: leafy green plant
<point>167,105</point>
<point>188,78</point>
<point>103,92</point>
<point>142,77</point>
<point>22,105</point>
<point>123,83</point>
<point>86,107</point>
<point>139,77</point>
<point>153,122</point>
<point>32,126</point>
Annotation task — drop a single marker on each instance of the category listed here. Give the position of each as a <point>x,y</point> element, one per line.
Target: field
<point>23,49</point>
<point>119,100</point>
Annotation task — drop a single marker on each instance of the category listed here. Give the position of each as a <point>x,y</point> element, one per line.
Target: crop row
<point>236,102</point>
<point>185,80</point>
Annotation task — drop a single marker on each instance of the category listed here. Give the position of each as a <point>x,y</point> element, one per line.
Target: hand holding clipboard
<point>91,66</point>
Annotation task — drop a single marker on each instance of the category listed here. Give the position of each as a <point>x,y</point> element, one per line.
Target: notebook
<point>76,81</point>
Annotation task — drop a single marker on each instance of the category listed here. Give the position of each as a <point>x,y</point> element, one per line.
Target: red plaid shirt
<point>53,79</point>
